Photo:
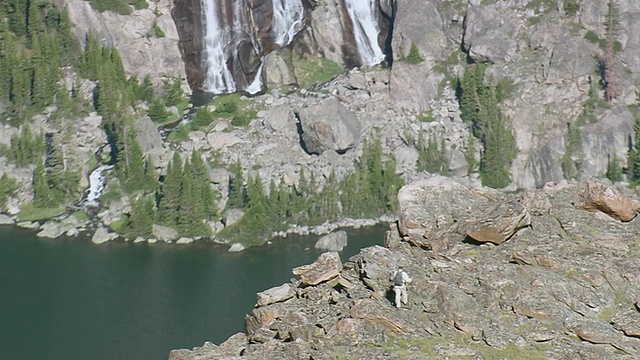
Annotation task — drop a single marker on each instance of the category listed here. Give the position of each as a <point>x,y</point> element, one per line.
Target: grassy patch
<point>235,107</point>
<point>312,70</point>
<point>426,118</point>
<point>81,216</point>
<point>120,226</point>
<point>29,212</point>
<point>180,133</point>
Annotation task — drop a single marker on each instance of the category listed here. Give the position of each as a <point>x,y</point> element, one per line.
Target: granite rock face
<point>329,126</point>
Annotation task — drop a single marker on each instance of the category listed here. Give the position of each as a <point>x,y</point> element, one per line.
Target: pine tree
<point>614,170</point>
<point>42,196</point>
<point>237,194</point>
<point>470,154</point>
<point>612,27</point>
<point>141,220</point>
<point>170,192</point>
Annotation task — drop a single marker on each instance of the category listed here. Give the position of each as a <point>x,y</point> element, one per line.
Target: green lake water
<point>69,299</point>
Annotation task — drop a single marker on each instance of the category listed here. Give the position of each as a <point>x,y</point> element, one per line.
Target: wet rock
<point>325,268</point>
<point>593,196</point>
<point>335,241</point>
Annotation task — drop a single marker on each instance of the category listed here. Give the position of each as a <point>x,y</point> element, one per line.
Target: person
<point>400,279</point>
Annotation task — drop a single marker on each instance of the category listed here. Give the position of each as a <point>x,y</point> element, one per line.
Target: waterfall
<point>96,184</point>
<point>219,79</point>
<point>256,85</point>
<point>365,30</point>
<point>288,16</point>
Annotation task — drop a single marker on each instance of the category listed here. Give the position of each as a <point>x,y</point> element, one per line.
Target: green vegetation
<point>81,216</point>
<point>571,7</point>
<point>26,148</point>
<point>593,38</point>
<point>369,191</point>
<point>8,186</point>
<point>414,55</point>
<point>470,154</point>
<point>573,158</point>
<point>30,212</point>
<point>480,107</point>
<point>614,170</point>
<point>633,156</point>
<point>432,155</point>
<point>426,118</point>
<point>311,70</point>
<point>157,31</point>
<point>122,7</point>
<point>235,107</point>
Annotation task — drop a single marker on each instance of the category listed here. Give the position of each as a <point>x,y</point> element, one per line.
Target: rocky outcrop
<point>593,196</point>
<point>142,52</point>
<point>570,276</point>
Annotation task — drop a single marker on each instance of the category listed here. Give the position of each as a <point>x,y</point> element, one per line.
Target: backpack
<point>398,278</point>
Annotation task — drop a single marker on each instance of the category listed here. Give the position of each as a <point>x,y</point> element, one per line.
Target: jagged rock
<point>536,202</point>
<point>52,230</point>
<point>164,233</point>
<point>325,268</point>
<point>500,223</point>
<point>221,140</point>
<point>329,126</point>
<point>275,294</point>
<point>6,220</point>
<point>595,331</point>
<point>151,142</point>
<point>593,196</point>
<point>281,120</point>
<point>335,241</point>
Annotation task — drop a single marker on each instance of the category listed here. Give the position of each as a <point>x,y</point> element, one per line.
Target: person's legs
<point>398,291</point>
<point>404,295</point>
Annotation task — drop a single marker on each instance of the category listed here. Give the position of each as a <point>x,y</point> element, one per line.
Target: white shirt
<point>405,277</point>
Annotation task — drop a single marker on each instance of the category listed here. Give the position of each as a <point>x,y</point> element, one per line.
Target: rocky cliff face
<point>565,286</point>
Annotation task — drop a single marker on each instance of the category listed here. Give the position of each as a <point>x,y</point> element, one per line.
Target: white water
<point>365,30</point>
<point>287,20</point>
<point>219,79</point>
<point>96,184</point>
<point>256,85</point>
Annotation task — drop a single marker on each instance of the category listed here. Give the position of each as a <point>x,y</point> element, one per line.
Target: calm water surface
<point>70,299</point>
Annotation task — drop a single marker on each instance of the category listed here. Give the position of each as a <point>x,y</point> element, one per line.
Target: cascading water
<point>219,79</point>
<point>96,184</point>
<point>365,30</point>
<point>288,16</point>
<point>233,49</point>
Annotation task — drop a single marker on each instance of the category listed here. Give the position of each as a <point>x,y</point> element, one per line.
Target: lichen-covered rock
<point>325,268</point>
<point>500,223</point>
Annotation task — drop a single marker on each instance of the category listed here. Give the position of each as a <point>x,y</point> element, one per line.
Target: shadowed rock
<point>329,126</point>
<point>500,224</point>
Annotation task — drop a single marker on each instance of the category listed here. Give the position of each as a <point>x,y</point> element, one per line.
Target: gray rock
<point>335,241</point>
<point>52,230</point>
<point>236,247</point>
<point>275,294</point>
<point>164,233</point>
<point>458,165</point>
<point>6,220</point>
<point>31,225</point>
<point>232,216</point>
<point>151,142</point>
<point>184,241</point>
<point>281,120</point>
<point>329,126</point>
<point>102,235</point>
<point>277,71</point>
<point>489,36</point>
<point>219,176</point>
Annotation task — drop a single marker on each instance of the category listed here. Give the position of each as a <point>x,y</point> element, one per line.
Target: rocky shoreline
<point>559,280</point>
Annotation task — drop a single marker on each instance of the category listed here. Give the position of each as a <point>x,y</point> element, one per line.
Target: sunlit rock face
<point>224,42</point>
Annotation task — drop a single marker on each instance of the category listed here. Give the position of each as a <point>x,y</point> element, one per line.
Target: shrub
<point>414,55</point>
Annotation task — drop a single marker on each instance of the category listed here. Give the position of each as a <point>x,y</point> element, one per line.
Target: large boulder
<point>164,233</point>
<point>325,268</point>
<point>329,126</point>
<point>500,223</point>
<point>151,142</point>
<point>275,294</point>
<point>336,241</point>
<point>593,196</point>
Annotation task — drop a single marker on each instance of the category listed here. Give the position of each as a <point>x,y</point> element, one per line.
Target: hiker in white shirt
<point>400,279</point>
